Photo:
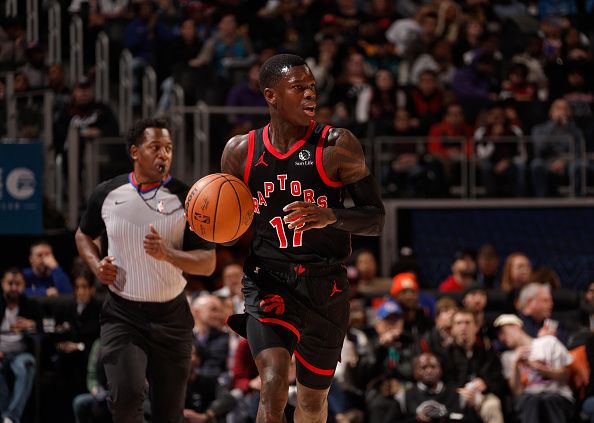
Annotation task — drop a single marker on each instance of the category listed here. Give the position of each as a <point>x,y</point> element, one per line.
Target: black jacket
<point>29,309</point>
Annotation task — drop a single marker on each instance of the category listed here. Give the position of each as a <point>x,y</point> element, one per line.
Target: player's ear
<point>270,96</point>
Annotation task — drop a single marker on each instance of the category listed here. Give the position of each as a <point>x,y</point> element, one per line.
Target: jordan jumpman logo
<point>261,161</point>
<point>335,290</point>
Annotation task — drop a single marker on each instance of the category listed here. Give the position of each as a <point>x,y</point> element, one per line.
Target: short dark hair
<point>136,132</point>
<point>37,243</point>
<point>272,69</point>
<point>12,271</point>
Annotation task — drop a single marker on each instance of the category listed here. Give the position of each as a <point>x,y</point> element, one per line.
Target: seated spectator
<point>439,60</point>
<point>175,65</point>
<point>45,276</point>
<point>405,290</point>
<point>440,337</point>
<point>350,84</point>
<point>12,37</point>
<point>91,407</point>
<point>501,158</point>
<point>19,315</point>
<point>474,368</point>
<point>35,68</point>
<point>369,283</point>
<point>463,273</point>
<point>246,94</point>
<point>517,272</point>
<point>407,174</point>
<point>142,35</point>
<point>473,85</point>
<point>56,80</point>
<point>474,300</point>
<point>226,50</point>
<point>212,344</point>
<point>425,100</point>
<point>450,141</point>
<point>536,371</point>
<point>554,143</point>
<point>535,306</point>
<point>586,311</point>
<point>92,119</point>
<point>322,67</point>
<point>429,399</point>
<point>207,398</point>
<point>487,261</point>
<point>377,103</point>
<point>453,125</point>
<point>547,276</point>
<point>391,371</point>
<point>77,328</point>
<point>579,94</point>
<point>516,85</point>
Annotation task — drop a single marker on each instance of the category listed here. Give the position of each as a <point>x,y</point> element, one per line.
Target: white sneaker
<point>7,420</point>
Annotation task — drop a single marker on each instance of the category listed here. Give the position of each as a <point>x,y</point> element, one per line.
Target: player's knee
<point>312,402</point>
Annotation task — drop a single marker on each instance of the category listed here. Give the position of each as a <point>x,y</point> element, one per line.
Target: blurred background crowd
<point>450,99</point>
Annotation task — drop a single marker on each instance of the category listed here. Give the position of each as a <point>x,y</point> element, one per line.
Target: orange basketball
<point>219,207</point>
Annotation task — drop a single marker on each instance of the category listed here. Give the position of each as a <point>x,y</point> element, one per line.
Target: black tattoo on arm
<point>234,156</point>
<point>345,154</point>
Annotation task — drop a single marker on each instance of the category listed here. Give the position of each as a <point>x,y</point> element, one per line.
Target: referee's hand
<point>107,271</point>
<point>154,245</point>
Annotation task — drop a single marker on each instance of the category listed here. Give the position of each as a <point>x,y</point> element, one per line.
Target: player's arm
<point>234,156</point>
<point>345,159</point>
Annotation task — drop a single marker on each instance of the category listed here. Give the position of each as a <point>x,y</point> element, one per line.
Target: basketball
<point>219,207</point>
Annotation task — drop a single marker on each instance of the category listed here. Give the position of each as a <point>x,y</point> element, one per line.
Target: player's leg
<point>312,404</point>
<point>321,342</point>
<point>271,346</point>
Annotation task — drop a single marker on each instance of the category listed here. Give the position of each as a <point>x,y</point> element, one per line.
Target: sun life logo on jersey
<point>304,156</point>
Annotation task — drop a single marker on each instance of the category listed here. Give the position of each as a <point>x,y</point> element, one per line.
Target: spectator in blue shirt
<point>45,276</point>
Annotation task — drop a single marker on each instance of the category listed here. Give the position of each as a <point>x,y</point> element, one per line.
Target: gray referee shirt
<point>120,210</point>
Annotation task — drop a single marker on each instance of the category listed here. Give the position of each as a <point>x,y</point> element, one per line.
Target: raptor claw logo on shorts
<point>273,303</point>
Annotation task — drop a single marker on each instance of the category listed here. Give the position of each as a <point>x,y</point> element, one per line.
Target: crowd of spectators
<point>497,341</point>
<point>506,85</point>
<point>470,79</point>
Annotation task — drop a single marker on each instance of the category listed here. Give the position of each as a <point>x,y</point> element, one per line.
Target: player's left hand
<point>154,245</point>
<point>305,215</point>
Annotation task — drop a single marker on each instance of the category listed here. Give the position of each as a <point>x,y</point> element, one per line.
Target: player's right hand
<point>107,271</point>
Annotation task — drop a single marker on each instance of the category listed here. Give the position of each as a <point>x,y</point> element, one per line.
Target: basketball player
<point>146,323</point>
<point>295,283</point>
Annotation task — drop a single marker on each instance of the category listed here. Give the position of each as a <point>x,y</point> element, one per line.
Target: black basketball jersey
<point>275,180</point>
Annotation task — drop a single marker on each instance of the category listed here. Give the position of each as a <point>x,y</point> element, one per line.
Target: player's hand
<point>106,271</point>
<point>52,291</point>
<point>154,245</point>
<point>305,215</point>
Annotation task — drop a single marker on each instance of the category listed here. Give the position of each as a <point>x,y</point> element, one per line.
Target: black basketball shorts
<point>309,302</point>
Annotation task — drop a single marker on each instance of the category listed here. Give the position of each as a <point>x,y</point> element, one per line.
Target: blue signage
<point>21,188</point>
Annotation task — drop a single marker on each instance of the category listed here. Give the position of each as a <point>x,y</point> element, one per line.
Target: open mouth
<point>310,110</point>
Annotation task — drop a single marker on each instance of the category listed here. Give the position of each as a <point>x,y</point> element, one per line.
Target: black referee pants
<point>146,342</point>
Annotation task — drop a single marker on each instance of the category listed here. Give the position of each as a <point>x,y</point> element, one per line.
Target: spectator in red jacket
<point>463,273</point>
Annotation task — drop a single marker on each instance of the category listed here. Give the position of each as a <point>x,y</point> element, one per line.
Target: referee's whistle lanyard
<point>156,186</point>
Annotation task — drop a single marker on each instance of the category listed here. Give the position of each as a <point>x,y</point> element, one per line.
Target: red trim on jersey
<point>319,162</point>
<point>281,323</point>
<point>313,368</point>
<point>145,187</point>
<point>295,147</point>
<point>250,157</point>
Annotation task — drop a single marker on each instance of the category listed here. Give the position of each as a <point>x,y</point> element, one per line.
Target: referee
<point>146,323</point>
